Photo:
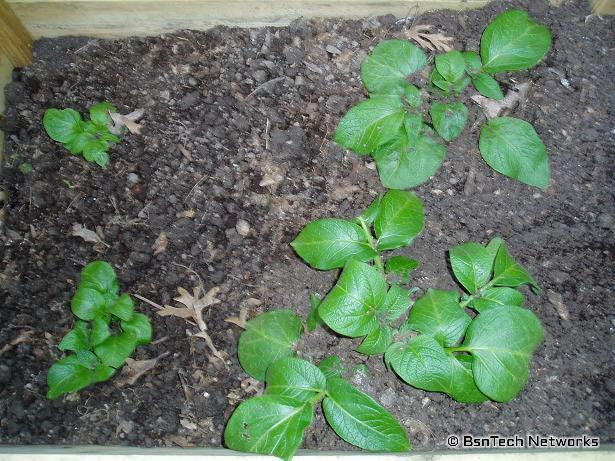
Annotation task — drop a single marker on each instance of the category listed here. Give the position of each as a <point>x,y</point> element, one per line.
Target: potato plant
<point>91,139</point>
<point>106,334</point>
<point>390,125</point>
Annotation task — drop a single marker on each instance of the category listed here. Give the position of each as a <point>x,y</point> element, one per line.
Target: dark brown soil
<point>213,129</point>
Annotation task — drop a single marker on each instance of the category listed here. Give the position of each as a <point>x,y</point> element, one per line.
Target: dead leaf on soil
<point>118,121</point>
<point>134,369</point>
<point>344,191</point>
<point>493,108</point>
<point>241,320</point>
<point>189,213</point>
<point>21,338</point>
<point>79,230</point>
<point>421,34</point>
<point>180,440</point>
<point>557,301</point>
<point>161,243</point>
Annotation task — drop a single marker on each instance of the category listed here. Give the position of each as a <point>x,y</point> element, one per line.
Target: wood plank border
<point>15,40</point>
<point>122,18</point>
<point>603,7</point>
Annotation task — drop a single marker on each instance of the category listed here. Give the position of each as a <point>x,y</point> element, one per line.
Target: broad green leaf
<point>99,113</point>
<point>439,81</point>
<point>87,303</point>
<point>472,265</point>
<point>329,243</point>
<point>371,212</point>
<point>400,219</point>
<point>295,378</point>
<point>313,320</point>
<point>508,273</point>
<point>96,151</point>
<point>77,339</point>
<point>451,66</point>
<point>359,420</point>
<point>123,307</point>
<point>370,124</point>
<point>103,373</point>
<point>377,341</point>
<point>413,126</point>
<point>100,331</point>
<point>423,363</point>
<point>62,125</point>
<point>439,314</point>
<point>389,64</point>
<point>488,86</point>
<point>413,96</point>
<point>498,296</point>
<point>472,61</point>
<point>513,41</point>
<point>100,276</point>
<point>402,266</point>
<point>77,144</point>
<point>501,341</point>
<point>511,146</point>
<point>87,359</point>
<point>449,119</point>
<point>331,367</point>
<point>140,327</point>
<point>114,350</point>
<point>68,375</point>
<point>493,247</point>
<point>269,425</point>
<point>402,165</point>
<point>443,87</point>
<point>109,137</point>
<point>268,338</point>
<point>350,307</point>
<point>396,303</point>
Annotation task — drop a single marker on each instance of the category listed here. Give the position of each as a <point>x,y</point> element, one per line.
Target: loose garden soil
<point>237,127</point>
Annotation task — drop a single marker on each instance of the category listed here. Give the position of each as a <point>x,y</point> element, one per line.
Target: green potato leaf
<point>513,41</point>
<point>77,144</point>
<point>508,273</point>
<point>331,367</point>
<point>100,331</point>
<point>449,119</point>
<point>497,296</point>
<point>114,350</point>
<point>68,375</point>
<point>402,266</point>
<point>389,64</point>
<point>451,66</point>
<point>269,425</point>
<point>350,307</point>
<point>439,81</point>
<point>396,303</point>
<point>400,219</point>
<point>77,339</point>
<point>501,341</point>
<point>423,363</point>
<point>371,212</point>
<point>472,62</point>
<point>377,341</point>
<point>268,338</point>
<point>370,124</point>
<point>87,303</point>
<point>472,265</point>
<point>295,378</point>
<point>313,320</point>
<point>511,146</point>
<point>402,165</point>
<point>413,126</point>
<point>99,113</point>
<point>87,359</point>
<point>123,307</point>
<point>62,125</point>
<point>100,276</point>
<point>140,327</point>
<point>329,243</point>
<point>488,86</point>
<point>96,151</point>
<point>359,420</point>
<point>439,314</point>
<point>413,96</point>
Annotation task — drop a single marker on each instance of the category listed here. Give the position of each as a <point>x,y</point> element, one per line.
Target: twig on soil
<point>73,201</point>
<point>267,85</point>
<point>195,186</point>
<point>151,303</point>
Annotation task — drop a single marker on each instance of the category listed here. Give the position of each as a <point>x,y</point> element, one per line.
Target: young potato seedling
<point>390,127</point>
<point>91,139</point>
<point>106,334</point>
<point>439,347</point>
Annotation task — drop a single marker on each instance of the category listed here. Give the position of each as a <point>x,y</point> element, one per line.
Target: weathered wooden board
<point>121,18</point>
<point>15,41</point>
<point>604,6</point>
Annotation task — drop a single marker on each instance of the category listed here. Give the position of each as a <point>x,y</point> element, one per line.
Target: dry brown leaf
<point>493,108</point>
<point>21,337</point>
<point>185,152</point>
<point>180,440</point>
<point>134,369</point>
<point>344,191</point>
<point>79,230</point>
<point>189,213</point>
<point>241,320</point>
<point>161,243</point>
<point>421,34</point>
<point>118,121</point>
<point>187,424</point>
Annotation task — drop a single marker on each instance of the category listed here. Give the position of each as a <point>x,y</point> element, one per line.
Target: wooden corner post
<point>15,40</point>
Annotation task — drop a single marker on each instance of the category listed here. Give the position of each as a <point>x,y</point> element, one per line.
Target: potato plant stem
<point>372,243</point>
